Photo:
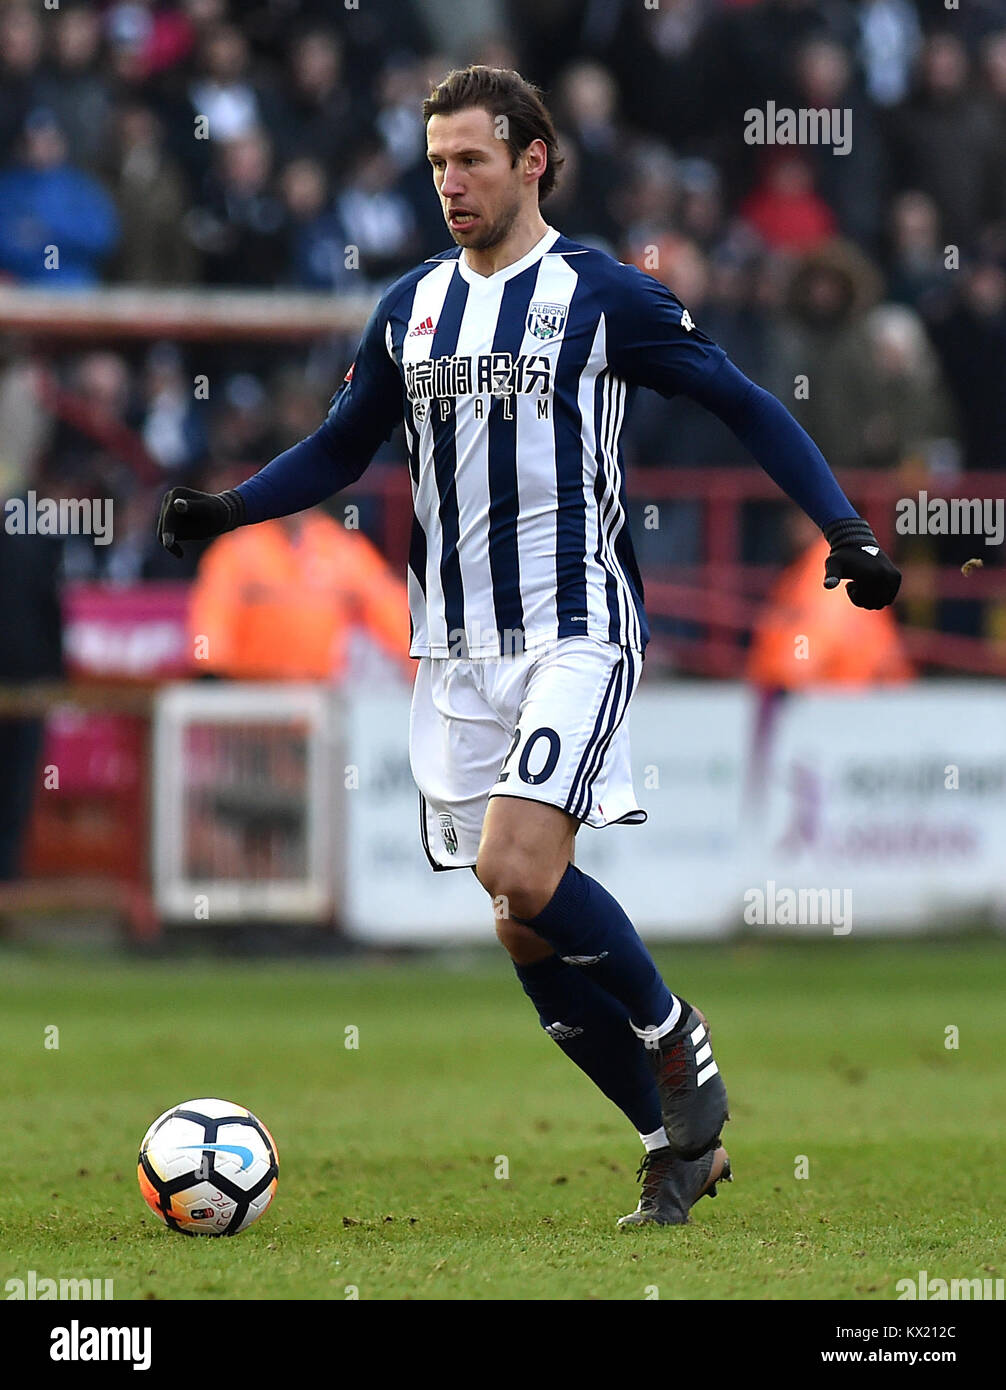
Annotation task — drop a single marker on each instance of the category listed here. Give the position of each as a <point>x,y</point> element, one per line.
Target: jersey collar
<point>539,249</point>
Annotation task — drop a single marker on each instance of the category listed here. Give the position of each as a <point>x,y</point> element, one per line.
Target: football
<point>208,1168</point>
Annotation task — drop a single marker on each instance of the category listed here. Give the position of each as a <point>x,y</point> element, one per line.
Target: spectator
<point>841,645</point>
<point>587,112</point>
<point>547,33</point>
<point>57,224</point>
<point>321,120</point>
<point>297,407</point>
<point>160,36</point>
<point>970,337</point>
<point>572,206</point>
<point>398,119</point>
<point>824,350</point>
<point>127,61</point>
<point>944,141</point>
<point>375,31</point>
<point>240,223</point>
<point>151,195</point>
<point>25,425</point>
<point>20,59</point>
<point>242,429</point>
<point>92,452</point>
<point>701,210</point>
<point>415,183</point>
<point>172,425</point>
<point>994,73</point>
<point>203,15</point>
<point>377,217</point>
<point>889,42</point>
<point>679,432</point>
<point>853,183</point>
<point>318,242</point>
<point>649,201</point>
<point>745,57</point>
<point>222,90</point>
<point>279,601</point>
<point>492,50</point>
<point>907,416</point>
<point>784,208</point>
<point>76,88</point>
<point>658,49</point>
<point>918,272</point>
<point>97,410</point>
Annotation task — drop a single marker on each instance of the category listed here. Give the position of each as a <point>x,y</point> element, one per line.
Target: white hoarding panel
<point>896,797</point>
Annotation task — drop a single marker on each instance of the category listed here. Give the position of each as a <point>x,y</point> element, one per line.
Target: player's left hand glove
<point>856,555</point>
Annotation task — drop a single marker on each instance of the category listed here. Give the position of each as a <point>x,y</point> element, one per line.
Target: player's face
<point>480,193</point>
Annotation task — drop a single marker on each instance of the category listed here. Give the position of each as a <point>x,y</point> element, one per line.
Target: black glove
<point>187,515</point>
<point>856,555</point>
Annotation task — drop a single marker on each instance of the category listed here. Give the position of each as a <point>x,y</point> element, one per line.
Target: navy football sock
<point>593,1031</point>
<point>584,925</point>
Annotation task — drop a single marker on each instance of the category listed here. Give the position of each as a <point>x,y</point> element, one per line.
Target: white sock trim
<point>656,1140</point>
<point>668,1026</point>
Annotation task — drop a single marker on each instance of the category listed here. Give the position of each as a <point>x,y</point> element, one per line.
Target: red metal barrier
<point>723,595</point>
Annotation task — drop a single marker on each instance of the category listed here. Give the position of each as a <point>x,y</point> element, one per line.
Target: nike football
<point>208,1168</point>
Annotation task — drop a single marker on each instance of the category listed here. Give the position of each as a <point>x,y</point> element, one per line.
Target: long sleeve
<point>782,446</point>
<point>653,342</point>
<point>362,415</point>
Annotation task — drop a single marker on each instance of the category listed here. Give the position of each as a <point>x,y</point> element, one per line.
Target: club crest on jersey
<point>448,832</point>
<point>546,320</point>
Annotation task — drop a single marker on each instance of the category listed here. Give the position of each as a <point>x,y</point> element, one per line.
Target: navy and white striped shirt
<point>514,389</point>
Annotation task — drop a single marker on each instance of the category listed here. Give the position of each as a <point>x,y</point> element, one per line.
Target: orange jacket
<point>272,608</point>
<point>844,645</point>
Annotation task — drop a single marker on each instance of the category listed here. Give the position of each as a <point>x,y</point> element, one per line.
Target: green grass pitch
<point>389,1151</point>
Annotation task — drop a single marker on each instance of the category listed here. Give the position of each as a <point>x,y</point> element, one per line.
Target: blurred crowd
<point>221,143</point>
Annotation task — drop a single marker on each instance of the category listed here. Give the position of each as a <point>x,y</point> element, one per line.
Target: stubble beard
<point>493,234</point>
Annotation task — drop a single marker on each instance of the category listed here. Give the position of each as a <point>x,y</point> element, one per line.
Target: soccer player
<point>512,359</point>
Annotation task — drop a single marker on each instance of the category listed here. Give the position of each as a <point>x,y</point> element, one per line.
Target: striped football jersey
<point>513,389</point>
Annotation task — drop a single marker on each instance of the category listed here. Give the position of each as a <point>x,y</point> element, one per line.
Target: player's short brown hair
<point>501,92</point>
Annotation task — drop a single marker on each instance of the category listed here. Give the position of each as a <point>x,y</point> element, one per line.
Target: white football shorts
<point>546,726</point>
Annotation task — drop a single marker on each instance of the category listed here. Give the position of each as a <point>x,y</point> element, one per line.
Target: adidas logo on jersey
<point>423,329</point>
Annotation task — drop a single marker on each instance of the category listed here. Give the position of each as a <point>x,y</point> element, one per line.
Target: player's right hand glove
<point>187,515</point>
<point>856,555</point>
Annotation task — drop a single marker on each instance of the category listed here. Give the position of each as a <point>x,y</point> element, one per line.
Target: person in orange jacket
<point>805,637</point>
<point>279,601</point>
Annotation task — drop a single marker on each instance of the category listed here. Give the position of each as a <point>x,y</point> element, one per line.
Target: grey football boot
<point>693,1098</point>
<point>672,1186</point>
